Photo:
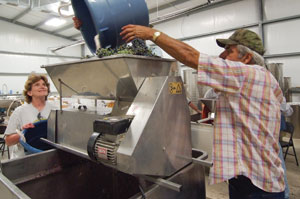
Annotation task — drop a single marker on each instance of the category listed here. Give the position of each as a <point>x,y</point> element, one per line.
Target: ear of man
<point>247,58</point>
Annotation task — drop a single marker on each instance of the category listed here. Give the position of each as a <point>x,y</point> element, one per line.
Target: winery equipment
<point>147,114</point>
<point>145,143</point>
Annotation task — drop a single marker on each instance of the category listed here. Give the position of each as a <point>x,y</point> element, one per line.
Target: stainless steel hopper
<point>148,132</point>
<point>112,77</point>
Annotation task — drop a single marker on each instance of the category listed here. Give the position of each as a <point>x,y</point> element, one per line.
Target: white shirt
<point>25,114</point>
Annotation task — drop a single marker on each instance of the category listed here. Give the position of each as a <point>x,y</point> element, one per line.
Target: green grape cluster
<point>103,52</point>
<point>138,47</point>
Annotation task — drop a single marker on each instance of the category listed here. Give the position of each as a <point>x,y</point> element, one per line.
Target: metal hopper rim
<point>111,57</point>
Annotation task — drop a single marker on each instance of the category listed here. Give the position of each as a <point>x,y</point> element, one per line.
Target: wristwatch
<point>155,36</point>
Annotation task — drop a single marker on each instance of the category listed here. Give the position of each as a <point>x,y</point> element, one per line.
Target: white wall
<point>14,38</point>
<point>280,37</point>
<point>218,18</point>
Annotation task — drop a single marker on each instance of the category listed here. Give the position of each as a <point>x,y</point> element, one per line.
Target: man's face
<point>230,53</point>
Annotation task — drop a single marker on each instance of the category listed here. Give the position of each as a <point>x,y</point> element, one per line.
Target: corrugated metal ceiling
<point>34,13</point>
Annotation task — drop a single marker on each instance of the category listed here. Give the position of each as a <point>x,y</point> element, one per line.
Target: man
<point>246,127</point>
<point>192,105</point>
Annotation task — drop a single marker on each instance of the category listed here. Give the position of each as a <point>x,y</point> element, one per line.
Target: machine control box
<point>112,125</point>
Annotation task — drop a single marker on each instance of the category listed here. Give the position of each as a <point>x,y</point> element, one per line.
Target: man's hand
<point>28,126</point>
<point>77,23</point>
<point>179,50</point>
<point>130,32</point>
<point>194,107</point>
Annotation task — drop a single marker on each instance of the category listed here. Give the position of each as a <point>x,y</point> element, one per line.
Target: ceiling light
<point>55,22</point>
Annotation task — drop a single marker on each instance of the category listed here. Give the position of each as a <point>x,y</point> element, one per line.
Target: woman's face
<point>38,89</point>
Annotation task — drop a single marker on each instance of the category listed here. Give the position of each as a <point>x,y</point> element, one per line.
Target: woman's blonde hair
<point>30,81</point>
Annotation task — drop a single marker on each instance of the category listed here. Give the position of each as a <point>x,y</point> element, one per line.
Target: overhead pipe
<point>76,43</point>
<point>186,11</point>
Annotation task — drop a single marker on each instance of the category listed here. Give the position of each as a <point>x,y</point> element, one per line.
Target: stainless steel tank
<point>61,175</point>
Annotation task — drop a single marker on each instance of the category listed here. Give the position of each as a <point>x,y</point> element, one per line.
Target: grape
<point>137,47</point>
<point>103,52</point>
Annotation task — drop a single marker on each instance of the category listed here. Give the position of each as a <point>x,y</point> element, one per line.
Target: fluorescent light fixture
<point>55,22</point>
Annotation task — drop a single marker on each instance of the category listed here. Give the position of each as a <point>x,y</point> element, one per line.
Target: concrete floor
<point>220,191</point>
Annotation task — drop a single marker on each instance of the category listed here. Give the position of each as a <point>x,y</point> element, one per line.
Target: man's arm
<point>285,108</point>
<point>177,49</point>
<point>194,107</point>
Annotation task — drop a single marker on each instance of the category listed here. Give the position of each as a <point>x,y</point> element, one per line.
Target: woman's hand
<point>28,126</point>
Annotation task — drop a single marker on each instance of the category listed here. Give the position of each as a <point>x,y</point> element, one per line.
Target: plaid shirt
<point>247,122</point>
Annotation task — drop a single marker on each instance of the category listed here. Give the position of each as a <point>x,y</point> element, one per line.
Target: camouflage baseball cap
<point>246,38</point>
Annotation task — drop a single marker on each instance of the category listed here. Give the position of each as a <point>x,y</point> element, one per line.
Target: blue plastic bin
<point>33,143</point>
<point>107,17</point>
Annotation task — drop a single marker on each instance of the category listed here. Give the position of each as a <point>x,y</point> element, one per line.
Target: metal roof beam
<point>76,35</point>
<point>41,3</point>
<point>79,42</point>
<point>63,28</point>
<point>164,6</point>
<point>20,74</point>
<point>21,15</point>
<point>36,26</point>
<point>38,55</point>
<point>37,29</point>
<point>185,11</point>
<point>27,10</point>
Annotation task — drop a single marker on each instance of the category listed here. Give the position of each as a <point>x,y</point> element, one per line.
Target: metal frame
<point>66,27</point>
<point>27,10</point>
<point>36,26</point>
<point>37,29</point>
<point>19,74</point>
<point>164,6</point>
<point>216,32</point>
<point>37,55</point>
<point>260,24</point>
<point>187,11</point>
<point>209,5</point>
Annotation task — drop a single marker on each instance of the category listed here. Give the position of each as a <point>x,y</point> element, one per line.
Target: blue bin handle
<point>28,147</point>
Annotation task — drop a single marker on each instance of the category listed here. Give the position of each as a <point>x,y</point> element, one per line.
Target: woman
<point>36,108</point>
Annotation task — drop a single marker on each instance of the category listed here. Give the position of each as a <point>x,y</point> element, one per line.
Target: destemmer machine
<point>142,149</point>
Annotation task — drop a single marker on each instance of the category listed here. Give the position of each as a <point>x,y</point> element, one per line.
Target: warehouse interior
<point>38,37</point>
